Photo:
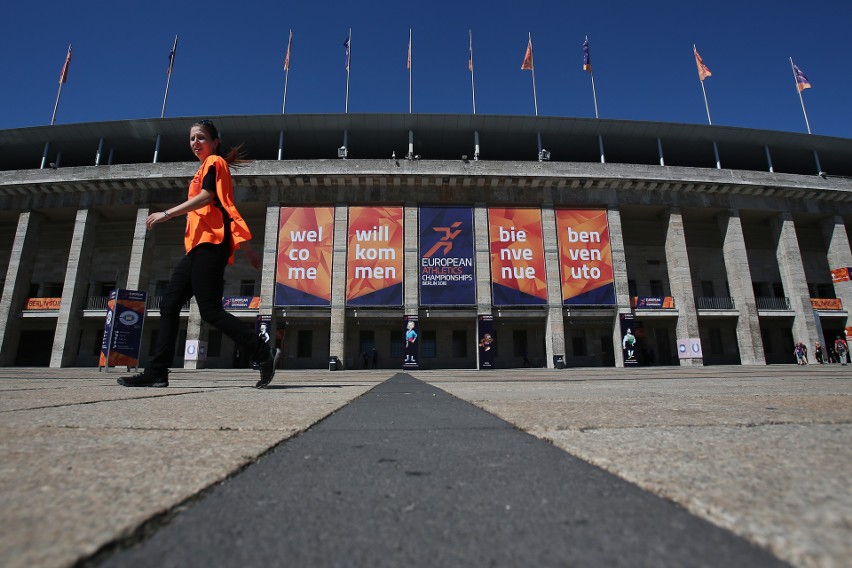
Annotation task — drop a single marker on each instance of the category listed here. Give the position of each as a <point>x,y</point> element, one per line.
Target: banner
<point>652,302</point>
<point>689,348</point>
<point>826,304</point>
<point>305,243</point>
<point>629,341</point>
<point>447,257</point>
<point>374,267</point>
<point>518,275</point>
<point>411,349</point>
<point>241,302</point>
<point>43,303</point>
<point>840,274</point>
<point>487,342</point>
<point>122,341</point>
<point>585,257</point>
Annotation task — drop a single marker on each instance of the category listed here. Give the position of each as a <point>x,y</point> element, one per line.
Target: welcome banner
<point>517,257</point>
<point>446,257</point>
<point>374,267</point>
<point>585,257</point>
<point>305,242</point>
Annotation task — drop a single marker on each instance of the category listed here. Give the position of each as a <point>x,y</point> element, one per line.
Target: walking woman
<point>214,231</point>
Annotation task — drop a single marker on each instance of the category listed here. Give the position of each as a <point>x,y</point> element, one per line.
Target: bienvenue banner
<point>585,257</point>
<point>447,276</point>
<point>305,243</point>
<point>517,257</point>
<point>374,267</point>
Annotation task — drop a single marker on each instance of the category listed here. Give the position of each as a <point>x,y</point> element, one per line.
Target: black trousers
<point>201,273</point>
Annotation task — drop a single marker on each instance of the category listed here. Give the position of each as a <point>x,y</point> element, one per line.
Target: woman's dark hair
<point>235,156</point>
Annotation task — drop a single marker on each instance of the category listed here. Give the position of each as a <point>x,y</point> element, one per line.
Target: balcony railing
<point>102,302</point>
<point>714,303</point>
<point>773,303</point>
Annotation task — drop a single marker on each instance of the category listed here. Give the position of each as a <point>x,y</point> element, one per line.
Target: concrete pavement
<point>764,452</point>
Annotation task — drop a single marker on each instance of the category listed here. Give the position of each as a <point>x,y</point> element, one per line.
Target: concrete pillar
<point>195,330</point>
<point>680,281</point>
<point>482,253</point>
<point>619,272</point>
<point>793,279</point>
<point>839,256</point>
<point>411,257</point>
<point>16,286</point>
<point>141,252</point>
<point>337,339</point>
<point>270,252</point>
<point>738,272</point>
<point>554,336</point>
<point>74,290</point>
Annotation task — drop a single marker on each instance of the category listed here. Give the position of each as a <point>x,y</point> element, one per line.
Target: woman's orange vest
<point>206,225</point>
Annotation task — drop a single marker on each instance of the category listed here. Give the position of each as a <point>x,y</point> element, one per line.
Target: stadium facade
<point>555,239</point>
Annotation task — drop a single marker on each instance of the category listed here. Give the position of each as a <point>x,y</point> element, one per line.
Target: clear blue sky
<point>230,57</point>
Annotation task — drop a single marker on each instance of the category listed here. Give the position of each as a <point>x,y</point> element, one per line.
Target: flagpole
<point>532,68</point>
<point>409,70</point>
<point>169,78</point>
<point>472,84</point>
<point>62,79</point>
<point>348,64</point>
<point>594,93</point>
<point>287,73</point>
<point>801,99</point>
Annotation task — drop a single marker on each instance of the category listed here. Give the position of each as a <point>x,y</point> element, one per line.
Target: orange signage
<point>840,275</point>
<point>826,304</point>
<point>43,303</point>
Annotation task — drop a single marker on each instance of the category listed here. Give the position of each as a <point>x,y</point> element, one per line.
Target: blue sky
<point>230,57</point>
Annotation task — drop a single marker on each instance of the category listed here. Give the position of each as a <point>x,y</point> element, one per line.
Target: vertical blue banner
<point>123,329</point>
<point>447,276</point>
<point>412,343</point>
<point>487,342</point>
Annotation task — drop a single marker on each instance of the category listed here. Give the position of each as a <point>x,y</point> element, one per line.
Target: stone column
<point>793,278</point>
<point>337,339</point>
<point>74,290</point>
<point>839,256</point>
<point>140,253</point>
<point>740,284</point>
<point>270,252</point>
<point>482,253</point>
<point>619,274</point>
<point>411,256</point>
<point>195,330</point>
<point>680,281</point>
<point>16,286</point>
<point>554,338</point>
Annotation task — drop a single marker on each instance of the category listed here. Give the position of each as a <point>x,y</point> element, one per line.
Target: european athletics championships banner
<point>305,245</point>
<point>374,253</point>
<point>447,276</point>
<point>585,257</point>
<point>517,257</point>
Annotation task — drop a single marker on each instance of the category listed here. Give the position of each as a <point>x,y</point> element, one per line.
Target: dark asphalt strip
<point>407,475</point>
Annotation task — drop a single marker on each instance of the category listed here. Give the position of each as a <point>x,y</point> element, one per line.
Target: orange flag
<point>703,71</point>
<point>528,59</point>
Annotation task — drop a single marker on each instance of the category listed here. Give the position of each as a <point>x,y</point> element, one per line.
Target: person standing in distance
<point>214,231</point>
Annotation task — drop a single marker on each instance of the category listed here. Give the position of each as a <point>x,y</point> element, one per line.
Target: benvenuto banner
<point>517,257</point>
<point>585,257</point>
<point>374,267</point>
<point>446,257</point>
<point>305,245</point>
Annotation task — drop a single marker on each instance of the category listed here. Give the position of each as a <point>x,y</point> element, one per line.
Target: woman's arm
<point>203,198</point>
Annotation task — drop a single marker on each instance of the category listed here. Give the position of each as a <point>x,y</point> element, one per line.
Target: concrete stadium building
<point>733,239</point>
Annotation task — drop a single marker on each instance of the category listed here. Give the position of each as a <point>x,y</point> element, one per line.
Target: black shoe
<point>267,367</point>
<point>143,380</point>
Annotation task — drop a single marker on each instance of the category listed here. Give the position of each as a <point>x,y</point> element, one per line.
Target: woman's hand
<point>155,218</point>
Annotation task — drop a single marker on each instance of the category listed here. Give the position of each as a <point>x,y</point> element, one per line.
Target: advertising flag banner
<point>703,71</point>
<point>305,241</point>
<point>802,82</point>
<point>585,257</point>
<point>123,328</point>
<point>374,252</point>
<point>411,349</point>
<point>487,342</point>
<point>629,341</point>
<point>517,257</point>
<point>447,275</point>
<point>652,302</point>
